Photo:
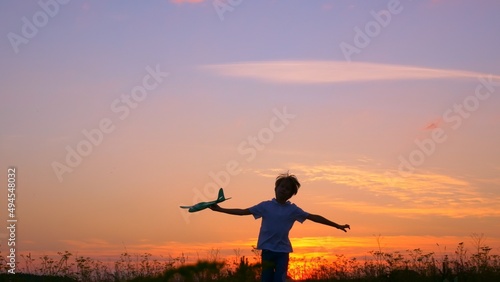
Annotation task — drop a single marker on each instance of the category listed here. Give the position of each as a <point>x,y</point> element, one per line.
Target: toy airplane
<point>204,205</point>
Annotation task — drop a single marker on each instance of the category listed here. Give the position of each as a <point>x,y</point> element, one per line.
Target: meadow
<point>409,265</point>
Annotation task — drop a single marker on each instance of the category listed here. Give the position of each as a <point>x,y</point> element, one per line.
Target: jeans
<point>274,266</point>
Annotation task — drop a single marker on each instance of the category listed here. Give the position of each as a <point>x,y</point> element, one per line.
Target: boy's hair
<point>290,178</point>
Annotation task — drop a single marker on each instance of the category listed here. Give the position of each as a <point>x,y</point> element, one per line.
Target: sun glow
<point>314,257</point>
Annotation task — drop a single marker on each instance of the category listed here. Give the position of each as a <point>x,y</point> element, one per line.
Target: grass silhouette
<point>410,265</point>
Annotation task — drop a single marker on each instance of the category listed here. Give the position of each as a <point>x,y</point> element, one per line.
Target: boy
<point>278,216</point>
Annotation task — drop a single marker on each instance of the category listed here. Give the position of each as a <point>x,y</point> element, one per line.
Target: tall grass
<point>409,265</point>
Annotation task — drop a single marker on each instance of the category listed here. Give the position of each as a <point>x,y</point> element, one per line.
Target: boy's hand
<point>344,227</point>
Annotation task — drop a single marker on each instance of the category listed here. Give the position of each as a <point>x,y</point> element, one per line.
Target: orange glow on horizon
<point>311,254</point>
<point>306,248</point>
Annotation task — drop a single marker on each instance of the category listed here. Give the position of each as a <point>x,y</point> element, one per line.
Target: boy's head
<point>286,186</point>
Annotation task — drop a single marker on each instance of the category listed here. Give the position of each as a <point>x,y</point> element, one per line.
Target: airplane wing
<point>204,205</point>
<point>201,206</point>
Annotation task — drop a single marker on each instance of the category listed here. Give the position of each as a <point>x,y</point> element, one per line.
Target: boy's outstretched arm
<point>322,220</point>
<point>217,208</point>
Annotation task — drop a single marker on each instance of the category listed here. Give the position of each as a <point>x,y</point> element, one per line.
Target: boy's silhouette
<point>278,216</point>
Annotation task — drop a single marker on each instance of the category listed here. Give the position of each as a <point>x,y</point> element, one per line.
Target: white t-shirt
<point>277,220</point>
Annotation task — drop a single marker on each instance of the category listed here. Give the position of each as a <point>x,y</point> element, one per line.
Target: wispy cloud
<point>413,195</point>
<point>313,72</point>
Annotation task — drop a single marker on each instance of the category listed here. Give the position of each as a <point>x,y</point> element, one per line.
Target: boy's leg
<point>268,266</point>
<point>281,261</point>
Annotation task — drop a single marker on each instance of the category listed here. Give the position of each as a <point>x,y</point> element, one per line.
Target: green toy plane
<point>204,205</point>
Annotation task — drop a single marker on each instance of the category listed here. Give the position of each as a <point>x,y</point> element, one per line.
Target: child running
<point>278,216</point>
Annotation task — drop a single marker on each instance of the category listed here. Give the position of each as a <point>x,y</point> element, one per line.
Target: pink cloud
<point>434,124</point>
<point>315,72</point>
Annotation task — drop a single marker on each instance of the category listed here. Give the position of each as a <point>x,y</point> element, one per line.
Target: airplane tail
<point>221,195</point>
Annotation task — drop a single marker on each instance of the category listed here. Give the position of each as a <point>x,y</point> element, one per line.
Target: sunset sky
<point>115,113</point>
